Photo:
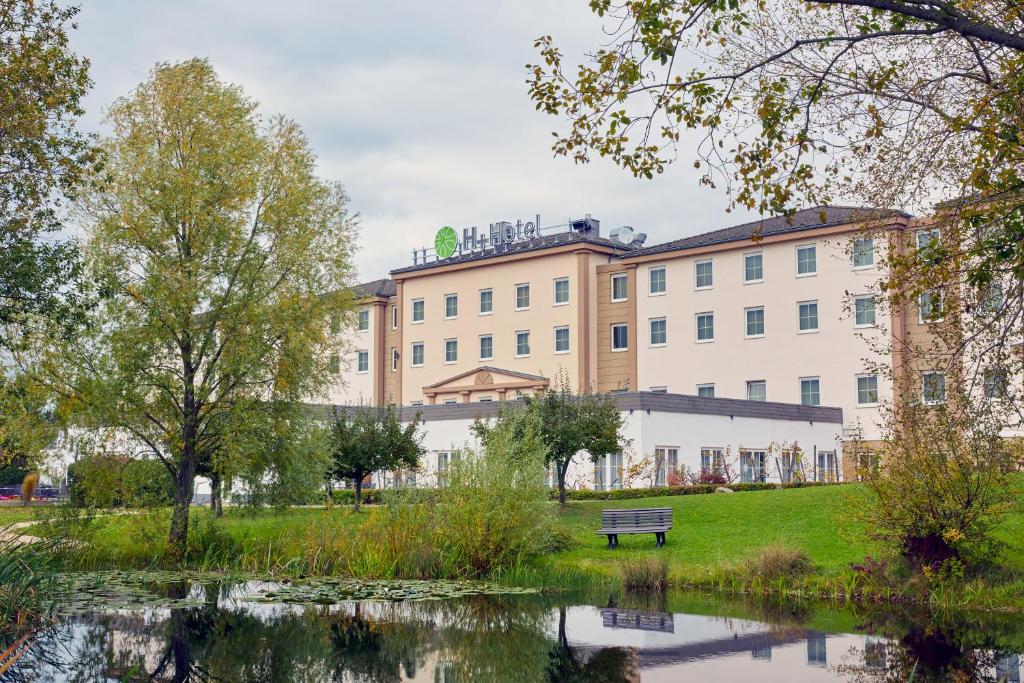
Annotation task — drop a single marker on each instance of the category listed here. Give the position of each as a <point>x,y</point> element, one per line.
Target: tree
<point>221,255</point>
<point>368,439</point>
<point>42,157</point>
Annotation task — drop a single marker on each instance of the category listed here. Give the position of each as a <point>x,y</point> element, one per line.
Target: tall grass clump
<point>26,580</point>
<point>645,573</point>
<point>777,562</point>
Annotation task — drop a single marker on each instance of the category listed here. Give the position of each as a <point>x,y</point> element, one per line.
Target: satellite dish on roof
<point>622,234</point>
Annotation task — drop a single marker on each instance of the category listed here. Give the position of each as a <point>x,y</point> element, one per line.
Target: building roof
<point>383,287</point>
<point>535,244</point>
<point>805,219</point>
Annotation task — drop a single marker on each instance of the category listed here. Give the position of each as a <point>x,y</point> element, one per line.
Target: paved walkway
<point>10,533</point>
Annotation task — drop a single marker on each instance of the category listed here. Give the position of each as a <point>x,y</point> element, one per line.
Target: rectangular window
<point>656,280</point>
<point>926,238</point>
<point>807,260</point>
<point>827,469</point>
<point>659,390</point>
<point>863,252</point>
<point>620,337</point>
<point>417,354</point>
<point>787,465</point>
<point>486,347</point>
<point>706,390</point>
<point>757,390</point>
<point>704,274</point>
<point>659,332</point>
<point>415,404</point>
<point>394,359</point>
<point>486,301</point>
<point>561,291</point>
<point>666,462</point>
<point>451,401</point>
<point>522,343</point>
<point>335,363</point>
<point>561,340</point>
<point>364,319</point>
<point>620,290</point>
<point>711,461</point>
<point>810,391</point>
<point>705,327</point>
<point>363,361</point>
<point>807,312</point>
<point>451,350</point>
<point>755,321</point>
<point>394,316</point>
<point>933,388</point>
<point>753,267</point>
<point>995,383</point>
<point>929,307</point>
<point>864,311</point>
<point>443,463</point>
<point>993,298</point>
<point>608,472</point>
<point>867,390</point>
<point>335,323</point>
<point>485,399</point>
<point>522,297</point>
<point>451,306</point>
<point>752,466</point>
<point>417,311</point>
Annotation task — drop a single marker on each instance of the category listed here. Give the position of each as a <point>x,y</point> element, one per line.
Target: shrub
<point>146,483</point>
<point>105,481</point>
<point>647,573</point>
<point>778,562</point>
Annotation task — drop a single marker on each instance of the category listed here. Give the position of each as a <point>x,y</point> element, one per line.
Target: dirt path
<point>10,533</point>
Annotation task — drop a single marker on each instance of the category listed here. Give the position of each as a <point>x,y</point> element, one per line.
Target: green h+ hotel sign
<point>448,243</point>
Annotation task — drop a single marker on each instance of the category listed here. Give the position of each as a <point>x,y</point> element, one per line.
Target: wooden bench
<point>638,521</point>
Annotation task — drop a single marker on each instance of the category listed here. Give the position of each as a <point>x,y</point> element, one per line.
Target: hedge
<point>688,490</point>
<point>106,481</point>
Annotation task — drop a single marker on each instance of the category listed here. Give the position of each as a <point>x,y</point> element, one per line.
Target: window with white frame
<point>620,337</point>
<point>522,343</point>
<point>927,238</point>
<point>486,301</point>
<point>522,296</point>
<point>364,319</point>
<point>485,399</point>
<point>445,460</point>
<point>787,465</point>
<point>394,359</point>
<point>827,466</point>
<point>335,363</point>
<point>608,472</point>
<point>752,465</point>
<point>451,306</point>
<point>992,298</point>
<point>659,390</point>
<point>996,384</point>
<point>486,347</point>
<point>620,287</point>
<point>705,327</point>
<point>706,390</point>
<point>704,273</point>
<point>659,332</point>
<point>807,314</point>
<point>451,401</point>
<point>933,388</point>
<point>335,323</point>
<point>656,280</point>
<point>863,252</point>
<point>864,311</point>
<point>867,390</point>
<point>561,291</point>
<point>394,316</point>
<point>806,260</point>
<point>362,361</point>
<point>666,461</point>
<point>810,391</point>
<point>712,461</point>
<point>415,404</point>
<point>757,390</point>
<point>929,307</point>
<point>562,339</point>
<point>451,351</point>
<point>753,267</point>
<point>417,354</point>
<point>754,321</point>
<point>418,311</point>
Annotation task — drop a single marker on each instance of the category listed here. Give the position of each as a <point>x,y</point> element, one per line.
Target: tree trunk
<point>358,481</point>
<point>183,482</point>
<point>562,469</point>
<point>217,495</point>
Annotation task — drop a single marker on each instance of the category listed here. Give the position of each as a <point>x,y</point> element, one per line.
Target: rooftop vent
<point>586,225</point>
<point>638,240</point>
<point>622,235</point>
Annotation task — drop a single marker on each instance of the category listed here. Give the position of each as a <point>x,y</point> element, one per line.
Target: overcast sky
<point>419,108</point>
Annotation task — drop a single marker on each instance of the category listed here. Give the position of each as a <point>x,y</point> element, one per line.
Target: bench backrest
<point>641,517</point>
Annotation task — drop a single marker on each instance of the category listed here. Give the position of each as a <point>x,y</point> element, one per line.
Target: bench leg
<point>615,540</point>
<point>610,546</point>
<point>660,538</point>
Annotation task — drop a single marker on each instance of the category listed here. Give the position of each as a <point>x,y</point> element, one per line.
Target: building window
<point>620,337</point>
<point>808,316</point>
<point>705,327</point>
<point>996,384</point>
<point>608,472</point>
<point>417,311</point>
<point>867,390</point>
<point>485,399</point>
<point>415,403</point>
<point>787,465</point>
<point>929,307</point>
<point>827,466</point>
<point>561,340</point>
<point>927,238</point>
<point>993,298</point>
<point>561,291</point>
<point>706,390</point>
<point>704,273</point>
<point>522,297</point>
<point>757,390</point>
<point>394,316</point>
<point>711,460</point>
<point>810,391</point>
<point>451,350</point>
<point>394,359</point>
<point>445,459</point>
<point>755,321</point>
<point>752,465</point>
<point>451,401</point>
<point>364,319</point>
<point>933,388</point>
<point>417,354</point>
<point>666,461</point>
<point>863,252</point>
<point>659,390</point>
<point>451,306</point>
<point>864,311</point>
<point>807,260</point>
<point>522,343</point>
<point>335,323</point>
<point>659,332</point>
<point>486,301</point>
<point>486,347</point>
<point>335,363</point>
<point>362,361</point>
<point>620,291</point>
<point>753,267</point>
<point>656,280</point>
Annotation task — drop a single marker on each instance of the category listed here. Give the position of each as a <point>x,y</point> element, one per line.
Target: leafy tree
<point>42,157</point>
<point>221,255</point>
<point>368,439</point>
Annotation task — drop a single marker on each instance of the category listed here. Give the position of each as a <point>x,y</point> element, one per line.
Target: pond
<point>163,627</point>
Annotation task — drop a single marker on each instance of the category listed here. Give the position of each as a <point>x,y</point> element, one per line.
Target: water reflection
<point>226,637</point>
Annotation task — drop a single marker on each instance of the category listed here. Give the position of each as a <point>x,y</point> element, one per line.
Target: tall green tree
<point>221,255</point>
<point>368,439</point>
<point>42,157</point>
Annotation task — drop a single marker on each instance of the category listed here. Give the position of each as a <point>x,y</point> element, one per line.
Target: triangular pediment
<point>486,376</point>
